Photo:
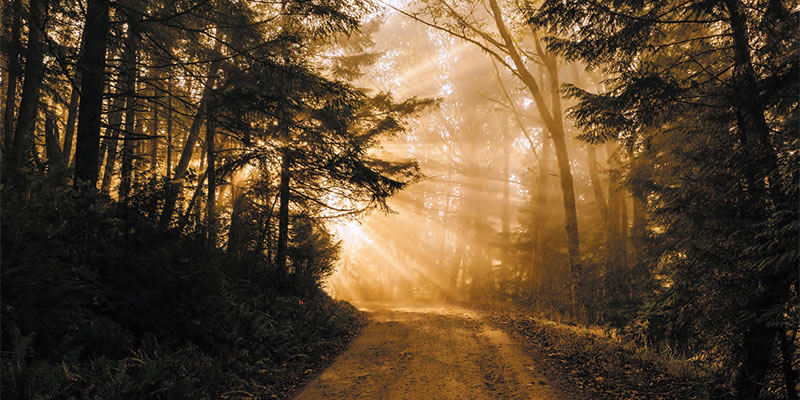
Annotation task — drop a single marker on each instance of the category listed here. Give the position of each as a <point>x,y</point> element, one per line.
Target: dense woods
<point>181,179</point>
<point>631,165</point>
<point>169,172</point>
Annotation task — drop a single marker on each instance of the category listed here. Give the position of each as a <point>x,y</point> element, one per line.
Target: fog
<point>466,229</point>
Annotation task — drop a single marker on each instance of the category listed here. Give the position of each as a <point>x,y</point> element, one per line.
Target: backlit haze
<point>478,167</point>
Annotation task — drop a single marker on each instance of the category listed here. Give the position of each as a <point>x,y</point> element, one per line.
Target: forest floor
<point>418,351</point>
<point>584,363</point>
<point>424,351</point>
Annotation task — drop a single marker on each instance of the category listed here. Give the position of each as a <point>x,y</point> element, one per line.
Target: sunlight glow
<point>349,230</point>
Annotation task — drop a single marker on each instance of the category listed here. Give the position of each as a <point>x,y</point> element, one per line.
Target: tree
<point>34,72</point>
<point>708,86</point>
<point>467,25</point>
<point>92,65</point>
<point>13,11</point>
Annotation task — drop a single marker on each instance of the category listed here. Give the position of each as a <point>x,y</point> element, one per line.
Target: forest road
<point>429,352</point>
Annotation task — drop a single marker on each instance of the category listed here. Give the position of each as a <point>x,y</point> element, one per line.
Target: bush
<point>99,303</point>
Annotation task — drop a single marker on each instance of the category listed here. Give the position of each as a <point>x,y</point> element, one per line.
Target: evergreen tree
<point>706,91</point>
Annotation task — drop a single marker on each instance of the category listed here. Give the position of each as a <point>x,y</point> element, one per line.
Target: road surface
<point>429,352</point>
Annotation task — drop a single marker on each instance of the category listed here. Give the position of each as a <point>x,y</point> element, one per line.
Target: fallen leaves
<point>591,367</point>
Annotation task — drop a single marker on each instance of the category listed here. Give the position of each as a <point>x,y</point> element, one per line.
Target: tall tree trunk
<point>640,171</point>
<point>92,82</point>
<point>614,240</point>
<point>138,170</point>
<point>553,121</point>
<point>179,176</point>
<point>169,127</point>
<point>748,96</point>
<point>283,211</point>
<point>759,337</point>
<point>236,233</point>
<point>211,218</point>
<point>505,212</point>
<point>128,82</point>
<point>623,227</point>
<point>154,142</point>
<point>539,205</point>
<point>34,72</point>
<point>567,190</point>
<point>441,254</point>
<point>482,231</point>
<point>154,133</point>
<point>597,184</point>
<point>264,225</point>
<point>54,156</point>
<point>12,59</point>
<point>113,130</point>
<point>72,116</point>
<point>192,201</point>
<point>72,110</point>
<point>455,265</point>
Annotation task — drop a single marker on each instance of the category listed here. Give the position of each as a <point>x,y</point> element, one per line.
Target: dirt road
<point>429,352</point>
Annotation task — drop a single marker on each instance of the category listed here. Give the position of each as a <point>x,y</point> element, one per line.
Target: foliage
<point>589,362</point>
<point>98,303</point>
<point>690,89</point>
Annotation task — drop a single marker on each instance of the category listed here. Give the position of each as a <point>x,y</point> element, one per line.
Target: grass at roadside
<point>591,363</point>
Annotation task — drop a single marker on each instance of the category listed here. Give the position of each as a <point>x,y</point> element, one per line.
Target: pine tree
<point>709,87</point>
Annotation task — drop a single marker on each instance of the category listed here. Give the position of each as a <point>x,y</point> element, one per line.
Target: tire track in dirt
<point>429,352</point>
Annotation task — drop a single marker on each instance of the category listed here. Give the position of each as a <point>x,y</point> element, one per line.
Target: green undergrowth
<point>97,303</point>
<point>592,362</point>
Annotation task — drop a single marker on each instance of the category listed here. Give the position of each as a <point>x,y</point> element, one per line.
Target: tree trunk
<point>623,227</point>
<point>114,127</point>
<point>597,184</point>
<point>441,255</point>
<point>129,72</point>
<point>553,122</point>
<point>72,115</point>
<point>505,212</point>
<point>169,128</point>
<point>283,212</point>
<point>192,201</point>
<point>539,205</point>
<point>54,156</point>
<point>567,191</point>
<point>92,83</point>
<point>640,171</point>
<point>235,231</point>
<point>12,59</point>
<point>482,232</point>
<point>176,184</point>
<point>757,351</point>
<point>138,170</point>
<point>72,109</point>
<point>615,244</point>
<point>571,219</point>
<point>458,259</point>
<point>154,133</point>
<point>748,96</point>
<point>759,335</point>
<point>211,218</point>
<point>34,72</point>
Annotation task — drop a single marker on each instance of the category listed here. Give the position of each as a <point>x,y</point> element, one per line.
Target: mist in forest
<point>465,229</point>
<point>194,191</point>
